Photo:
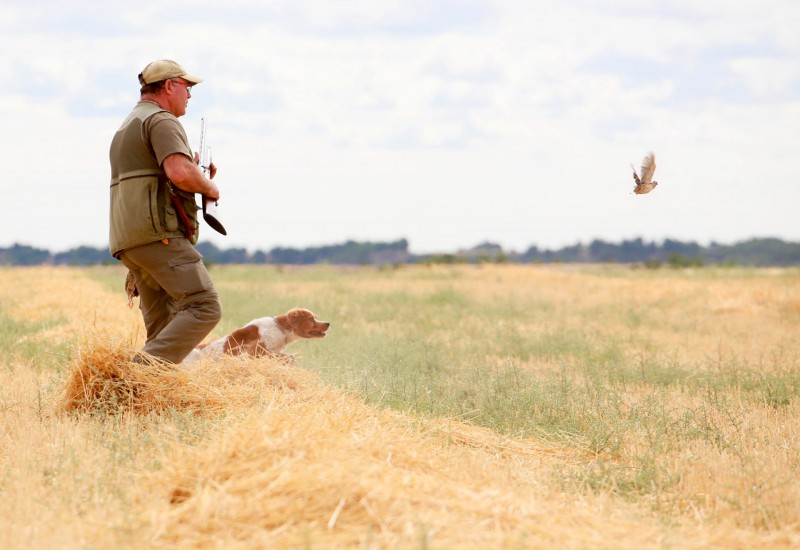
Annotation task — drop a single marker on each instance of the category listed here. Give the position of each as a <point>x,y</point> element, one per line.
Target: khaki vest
<point>141,208</point>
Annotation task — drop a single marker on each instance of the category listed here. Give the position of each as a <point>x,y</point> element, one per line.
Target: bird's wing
<point>648,167</point>
<point>635,175</point>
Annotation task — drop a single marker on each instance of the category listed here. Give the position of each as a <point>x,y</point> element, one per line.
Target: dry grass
<point>699,317</point>
<point>103,379</point>
<point>319,469</point>
<point>97,451</point>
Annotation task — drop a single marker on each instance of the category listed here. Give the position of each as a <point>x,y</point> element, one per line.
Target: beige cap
<point>164,69</point>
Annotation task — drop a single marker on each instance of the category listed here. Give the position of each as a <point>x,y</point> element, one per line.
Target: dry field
<point>450,407</point>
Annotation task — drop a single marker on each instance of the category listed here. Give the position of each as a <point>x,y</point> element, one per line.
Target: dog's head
<point>303,323</point>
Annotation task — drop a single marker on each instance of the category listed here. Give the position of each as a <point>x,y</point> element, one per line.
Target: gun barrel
<point>205,150</point>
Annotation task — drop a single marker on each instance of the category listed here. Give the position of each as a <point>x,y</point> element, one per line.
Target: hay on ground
<point>104,378</point>
<point>320,469</point>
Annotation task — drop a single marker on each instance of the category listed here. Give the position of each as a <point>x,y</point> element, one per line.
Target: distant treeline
<point>753,252</point>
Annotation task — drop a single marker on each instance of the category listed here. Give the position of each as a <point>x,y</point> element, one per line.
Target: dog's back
<point>263,336</point>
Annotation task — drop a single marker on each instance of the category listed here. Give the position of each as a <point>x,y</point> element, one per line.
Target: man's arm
<point>186,175</point>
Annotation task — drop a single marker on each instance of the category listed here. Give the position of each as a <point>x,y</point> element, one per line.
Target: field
<point>489,406</point>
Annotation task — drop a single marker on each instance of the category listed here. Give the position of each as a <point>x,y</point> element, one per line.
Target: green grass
<point>445,353</point>
<point>425,346</point>
<point>18,341</point>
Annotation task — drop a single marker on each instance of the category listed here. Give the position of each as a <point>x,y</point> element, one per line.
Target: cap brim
<point>191,78</point>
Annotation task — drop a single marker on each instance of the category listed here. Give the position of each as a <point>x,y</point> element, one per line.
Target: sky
<point>448,123</point>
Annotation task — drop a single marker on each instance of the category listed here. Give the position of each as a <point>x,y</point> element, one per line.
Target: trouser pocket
<point>188,274</point>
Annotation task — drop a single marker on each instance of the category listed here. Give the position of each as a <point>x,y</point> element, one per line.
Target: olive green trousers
<point>179,303</point>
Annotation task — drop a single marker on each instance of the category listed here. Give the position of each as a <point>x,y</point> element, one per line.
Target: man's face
<point>178,93</point>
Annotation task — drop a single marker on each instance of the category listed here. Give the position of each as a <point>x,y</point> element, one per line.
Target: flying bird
<point>645,183</point>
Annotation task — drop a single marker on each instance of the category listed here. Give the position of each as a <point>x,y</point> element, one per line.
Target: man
<point>153,217</point>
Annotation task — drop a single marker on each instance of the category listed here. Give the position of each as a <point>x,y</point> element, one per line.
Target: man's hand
<point>186,175</point>
<point>212,168</point>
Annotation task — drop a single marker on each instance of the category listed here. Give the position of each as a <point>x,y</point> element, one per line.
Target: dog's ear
<point>294,320</point>
<point>284,321</point>
<point>300,318</point>
<point>242,340</point>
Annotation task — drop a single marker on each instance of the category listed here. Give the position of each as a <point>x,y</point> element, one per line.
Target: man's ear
<point>169,86</point>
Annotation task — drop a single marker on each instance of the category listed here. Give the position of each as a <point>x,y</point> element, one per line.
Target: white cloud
<point>443,122</point>
<point>768,78</point>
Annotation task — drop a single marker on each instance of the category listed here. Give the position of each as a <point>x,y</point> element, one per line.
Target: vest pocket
<point>170,218</point>
<point>134,220</point>
<point>191,208</point>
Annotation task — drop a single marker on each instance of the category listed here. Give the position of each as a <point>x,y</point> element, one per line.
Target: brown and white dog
<point>264,336</point>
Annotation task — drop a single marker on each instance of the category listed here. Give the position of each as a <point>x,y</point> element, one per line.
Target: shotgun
<point>210,207</point>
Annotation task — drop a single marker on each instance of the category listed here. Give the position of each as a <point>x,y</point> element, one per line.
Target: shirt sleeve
<point>166,136</point>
